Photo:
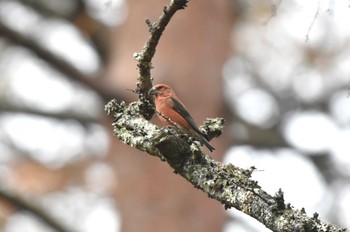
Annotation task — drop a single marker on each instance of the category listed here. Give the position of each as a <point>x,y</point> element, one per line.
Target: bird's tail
<point>201,138</point>
<point>208,145</point>
<point>205,142</point>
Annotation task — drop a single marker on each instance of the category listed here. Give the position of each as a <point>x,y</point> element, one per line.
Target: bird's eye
<point>160,87</point>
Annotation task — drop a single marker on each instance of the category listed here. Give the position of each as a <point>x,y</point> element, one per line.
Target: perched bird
<point>170,106</point>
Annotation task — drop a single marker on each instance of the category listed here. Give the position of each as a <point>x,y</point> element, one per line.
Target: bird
<point>171,110</point>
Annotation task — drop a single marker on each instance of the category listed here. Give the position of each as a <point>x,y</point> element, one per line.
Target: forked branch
<point>230,185</point>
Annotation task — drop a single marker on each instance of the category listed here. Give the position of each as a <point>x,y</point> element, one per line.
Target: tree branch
<point>43,9</point>
<point>29,206</point>
<point>91,27</point>
<point>6,107</point>
<point>228,184</point>
<point>144,58</point>
<point>59,64</point>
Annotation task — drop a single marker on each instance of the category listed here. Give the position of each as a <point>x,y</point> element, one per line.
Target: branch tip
<point>145,57</point>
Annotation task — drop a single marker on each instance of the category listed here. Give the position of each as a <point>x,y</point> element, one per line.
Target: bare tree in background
<point>147,193</point>
<point>190,57</point>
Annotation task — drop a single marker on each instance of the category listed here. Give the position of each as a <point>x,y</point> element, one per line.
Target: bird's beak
<point>153,91</point>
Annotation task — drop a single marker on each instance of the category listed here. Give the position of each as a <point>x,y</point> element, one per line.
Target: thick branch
<point>230,185</point>
<point>144,58</point>
<point>29,206</point>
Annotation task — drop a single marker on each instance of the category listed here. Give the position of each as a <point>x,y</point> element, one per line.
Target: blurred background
<point>277,71</point>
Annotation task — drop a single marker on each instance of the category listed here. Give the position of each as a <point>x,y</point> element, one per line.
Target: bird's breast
<point>165,107</point>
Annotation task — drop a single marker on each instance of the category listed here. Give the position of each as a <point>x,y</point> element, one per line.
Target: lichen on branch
<point>144,58</point>
<point>230,185</point>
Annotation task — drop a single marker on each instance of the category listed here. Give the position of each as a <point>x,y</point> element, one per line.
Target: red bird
<point>169,105</point>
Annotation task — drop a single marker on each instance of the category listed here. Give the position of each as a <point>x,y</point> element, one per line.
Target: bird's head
<point>162,91</point>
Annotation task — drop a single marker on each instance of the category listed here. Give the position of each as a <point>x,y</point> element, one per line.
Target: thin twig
<point>313,21</point>
<point>274,9</point>
<point>144,58</point>
<point>330,9</point>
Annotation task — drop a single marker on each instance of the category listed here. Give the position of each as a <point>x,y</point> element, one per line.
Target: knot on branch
<point>151,26</point>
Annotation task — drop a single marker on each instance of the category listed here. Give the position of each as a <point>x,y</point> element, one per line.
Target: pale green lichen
<point>131,128</point>
<point>213,127</point>
<point>228,184</point>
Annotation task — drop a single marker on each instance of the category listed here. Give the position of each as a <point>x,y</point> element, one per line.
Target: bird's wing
<point>178,107</point>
